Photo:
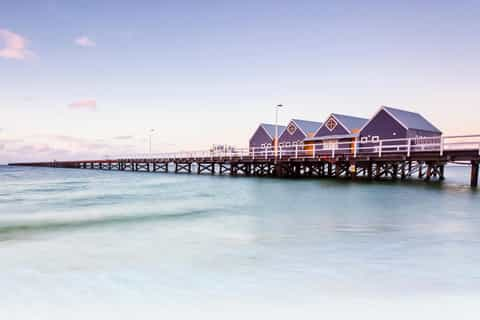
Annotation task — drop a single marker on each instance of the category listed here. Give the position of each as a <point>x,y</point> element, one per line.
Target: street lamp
<point>275,143</point>
<point>150,134</point>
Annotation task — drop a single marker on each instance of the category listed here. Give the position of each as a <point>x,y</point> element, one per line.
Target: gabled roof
<point>307,126</point>
<point>411,120</point>
<point>350,123</point>
<point>270,129</point>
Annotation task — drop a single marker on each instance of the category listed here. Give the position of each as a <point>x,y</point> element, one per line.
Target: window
<point>364,140</point>
<point>330,144</point>
<point>291,128</point>
<point>263,145</point>
<point>269,145</point>
<point>331,124</point>
<point>375,139</point>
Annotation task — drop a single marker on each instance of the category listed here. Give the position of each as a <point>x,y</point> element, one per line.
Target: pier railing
<point>393,158</point>
<point>332,149</point>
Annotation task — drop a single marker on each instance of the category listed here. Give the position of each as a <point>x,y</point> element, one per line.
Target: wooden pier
<point>400,161</point>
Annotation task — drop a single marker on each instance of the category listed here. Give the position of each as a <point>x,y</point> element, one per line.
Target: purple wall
<point>337,131</point>
<point>385,127</point>
<point>287,137</point>
<point>260,137</point>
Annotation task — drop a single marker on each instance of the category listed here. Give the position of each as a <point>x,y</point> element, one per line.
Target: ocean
<point>99,244</point>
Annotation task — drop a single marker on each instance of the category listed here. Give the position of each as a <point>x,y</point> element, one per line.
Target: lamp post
<point>150,134</point>
<point>275,143</point>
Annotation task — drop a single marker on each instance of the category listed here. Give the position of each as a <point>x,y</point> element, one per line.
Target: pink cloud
<point>39,148</point>
<point>84,105</point>
<point>61,147</point>
<point>84,42</point>
<point>14,46</point>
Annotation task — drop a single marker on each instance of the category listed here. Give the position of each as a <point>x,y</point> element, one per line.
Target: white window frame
<point>330,144</point>
<point>291,132</point>
<point>331,120</point>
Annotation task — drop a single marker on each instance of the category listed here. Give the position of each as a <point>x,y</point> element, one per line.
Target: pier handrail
<point>379,148</point>
<point>348,159</point>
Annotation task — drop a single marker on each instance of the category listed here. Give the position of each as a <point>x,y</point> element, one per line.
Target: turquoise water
<point>70,238</point>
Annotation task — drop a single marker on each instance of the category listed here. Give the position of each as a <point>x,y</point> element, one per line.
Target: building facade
<point>345,134</point>
<point>297,131</point>
<point>264,136</point>
<point>397,125</point>
<point>339,132</point>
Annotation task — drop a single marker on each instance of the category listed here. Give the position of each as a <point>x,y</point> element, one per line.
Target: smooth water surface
<point>82,237</point>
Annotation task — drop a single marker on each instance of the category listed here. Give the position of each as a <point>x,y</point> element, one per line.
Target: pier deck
<point>392,159</point>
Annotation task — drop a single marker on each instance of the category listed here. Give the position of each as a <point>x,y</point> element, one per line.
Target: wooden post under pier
<point>442,172</point>
<point>420,170</point>
<point>474,174</point>
<point>370,170</point>
<point>394,171</point>
<point>429,172</point>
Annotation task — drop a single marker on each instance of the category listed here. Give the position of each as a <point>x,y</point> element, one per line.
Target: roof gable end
<point>256,130</point>
<point>270,129</point>
<point>349,122</point>
<point>332,115</point>
<point>407,119</point>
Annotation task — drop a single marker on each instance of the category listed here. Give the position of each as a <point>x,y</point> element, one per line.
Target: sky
<point>81,79</point>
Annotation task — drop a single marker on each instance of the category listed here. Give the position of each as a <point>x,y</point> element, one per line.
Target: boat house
<point>297,131</point>
<point>339,132</point>
<point>398,125</point>
<point>264,136</point>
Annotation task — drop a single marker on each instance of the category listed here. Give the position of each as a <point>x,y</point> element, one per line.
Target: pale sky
<point>87,79</point>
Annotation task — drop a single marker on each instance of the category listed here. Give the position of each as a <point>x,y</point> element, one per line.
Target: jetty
<point>391,159</point>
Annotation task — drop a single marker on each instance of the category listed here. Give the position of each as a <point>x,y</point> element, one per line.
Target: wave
<point>11,230</point>
<point>55,189</point>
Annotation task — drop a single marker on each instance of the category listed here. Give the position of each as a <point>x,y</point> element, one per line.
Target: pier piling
<point>474,174</point>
